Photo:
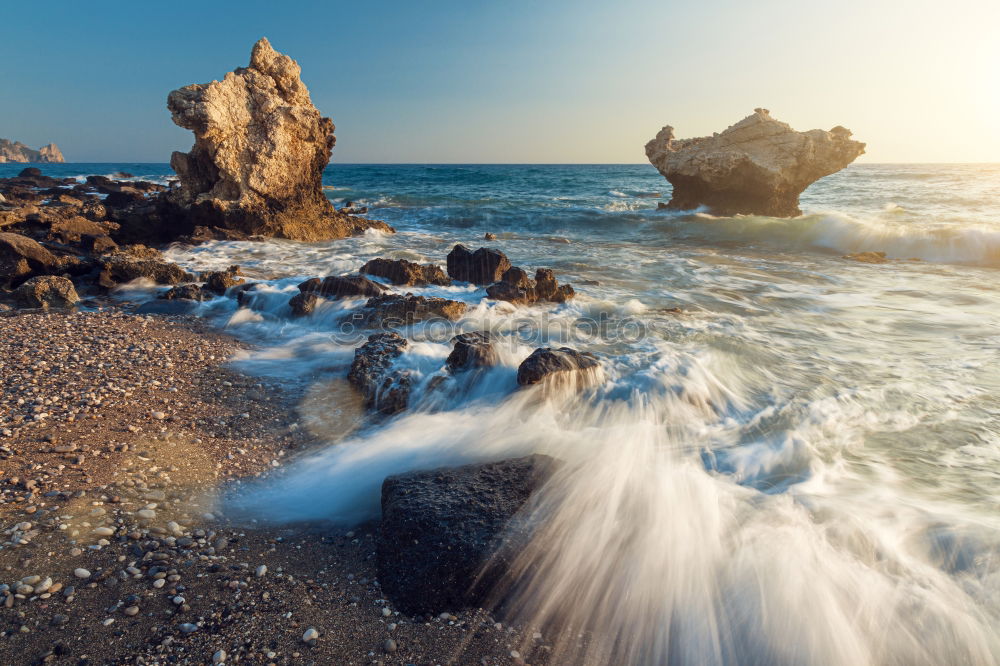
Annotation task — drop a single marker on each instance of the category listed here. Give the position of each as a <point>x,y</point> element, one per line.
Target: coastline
<point>159,424</point>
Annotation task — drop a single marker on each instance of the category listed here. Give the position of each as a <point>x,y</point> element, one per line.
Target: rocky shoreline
<point>117,433</point>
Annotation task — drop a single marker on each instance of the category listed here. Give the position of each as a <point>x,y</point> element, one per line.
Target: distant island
<point>15,151</point>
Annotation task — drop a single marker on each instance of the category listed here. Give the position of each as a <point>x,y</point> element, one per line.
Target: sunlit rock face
<point>758,166</point>
<point>259,153</point>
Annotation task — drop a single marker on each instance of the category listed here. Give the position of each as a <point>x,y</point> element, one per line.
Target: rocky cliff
<point>259,153</point>
<point>758,166</point>
<point>15,151</point>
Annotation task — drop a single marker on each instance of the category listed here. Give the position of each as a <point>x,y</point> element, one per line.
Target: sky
<point>517,81</point>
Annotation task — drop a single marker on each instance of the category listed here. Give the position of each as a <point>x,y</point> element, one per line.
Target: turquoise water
<point>802,467</point>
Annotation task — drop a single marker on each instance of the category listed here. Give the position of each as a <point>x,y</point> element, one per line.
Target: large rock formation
<point>15,151</point>
<point>259,153</point>
<point>758,166</point>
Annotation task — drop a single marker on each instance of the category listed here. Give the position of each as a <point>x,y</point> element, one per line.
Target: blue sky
<point>517,81</point>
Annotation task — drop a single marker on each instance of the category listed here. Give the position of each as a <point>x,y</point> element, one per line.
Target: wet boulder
<point>383,388</point>
<point>221,281</point>
<point>22,257</point>
<point>47,291</point>
<point>406,273</point>
<point>345,286</point>
<point>546,362</point>
<point>395,310</point>
<point>472,350</point>
<point>445,535</point>
<point>186,292</point>
<point>303,303</point>
<point>336,286</point>
<point>484,266</point>
<point>516,287</point>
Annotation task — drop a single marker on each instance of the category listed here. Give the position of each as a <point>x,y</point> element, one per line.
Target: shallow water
<point>802,467</point>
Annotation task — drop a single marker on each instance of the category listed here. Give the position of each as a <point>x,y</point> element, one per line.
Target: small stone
<point>261,571</point>
<point>219,657</point>
<point>159,416</point>
<point>59,620</point>
<point>146,514</point>
<point>386,611</point>
<point>389,645</point>
<point>188,628</point>
<point>103,531</point>
<point>159,582</point>
<point>81,573</point>
<point>310,635</point>
<point>131,610</point>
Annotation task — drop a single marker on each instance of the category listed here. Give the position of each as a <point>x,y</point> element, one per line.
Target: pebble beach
<point>117,433</point>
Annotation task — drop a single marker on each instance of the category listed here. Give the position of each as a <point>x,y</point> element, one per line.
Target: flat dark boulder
<point>440,528</point>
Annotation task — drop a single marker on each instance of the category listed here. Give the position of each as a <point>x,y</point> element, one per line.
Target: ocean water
<point>789,457</point>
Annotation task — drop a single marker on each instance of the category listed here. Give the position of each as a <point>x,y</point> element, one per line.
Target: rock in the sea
<point>406,273</point>
<point>759,166</point>
<point>335,286</point>
<point>221,281</point>
<point>440,528</point>
<point>47,291</point>
<point>344,286</point>
<point>372,373</point>
<point>546,362</point>
<point>516,287</point>
<point>259,153</point>
<point>484,266</point>
<point>395,310</point>
<point>21,257</point>
<point>472,350</point>
<point>186,292</point>
<point>303,303</point>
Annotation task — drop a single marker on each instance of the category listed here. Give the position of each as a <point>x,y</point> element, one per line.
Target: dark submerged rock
<point>440,528</point>
<point>546,361</point>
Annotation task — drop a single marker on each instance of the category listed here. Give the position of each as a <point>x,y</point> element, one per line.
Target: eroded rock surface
<point>758,166</point>
<point>440,529</point>
<point>372,373</point>
<point>259,153</point>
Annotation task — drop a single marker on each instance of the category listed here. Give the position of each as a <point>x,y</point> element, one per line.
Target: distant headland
<point>15,151</point>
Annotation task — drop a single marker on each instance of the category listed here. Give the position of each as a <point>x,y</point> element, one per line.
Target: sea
<point>789,456</point>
